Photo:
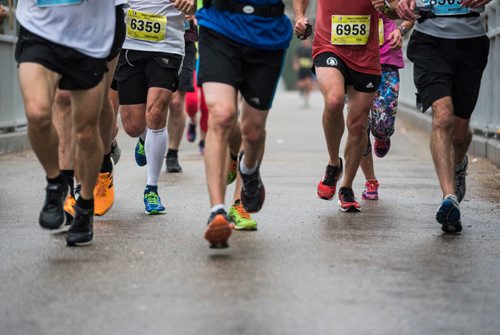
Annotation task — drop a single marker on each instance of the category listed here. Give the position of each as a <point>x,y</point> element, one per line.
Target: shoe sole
<point>245,228</point>
<point>350,209</point>
<point>174,170</point>
<point>155,212</point>
<point>449,220</point>
<point>78,244</point>
<point>365,198</point>
<point>218,232</point>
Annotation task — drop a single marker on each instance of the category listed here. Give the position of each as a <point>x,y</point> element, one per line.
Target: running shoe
<point>242,220</point>
<point>140,153</point>
<point>152,202</point>
<point>347,200</point>
<point>218,229</point>
<point>116,152</point>
<point>232,172</point>
<point>460,174</point>
<point>173,165</point>
<point>191,132</point>
<point>52,215</point>
<point>253,192</point>
<point>201,147</point>
<point>381,147</point>
<point>69,208</point>
<point>78,189</point>
<point>328,184</point>
<point>81,230</point>
<point>104,193</point>
<point>371,190</point>
<point>448,215</point>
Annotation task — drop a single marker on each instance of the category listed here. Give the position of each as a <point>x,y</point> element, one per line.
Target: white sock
<point>155,147</point>
<point>246,170</point>
<point>217,207</point>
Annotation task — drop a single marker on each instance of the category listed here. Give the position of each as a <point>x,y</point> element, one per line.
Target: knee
<point>177,104</point>
<point>357,127</point>
<point>222,117</point>
<point>156,116</point>
<point>87,135</point>
<point>253,133</point>
<point>38,116</point>
<point>334,103</point>
<point>442,123</point>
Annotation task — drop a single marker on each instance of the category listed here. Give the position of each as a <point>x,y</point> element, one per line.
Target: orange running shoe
<point>69,208</point>
<point>104,193</point>
<point>218,230</point>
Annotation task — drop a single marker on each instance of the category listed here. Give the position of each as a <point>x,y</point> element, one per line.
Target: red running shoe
<point>371,190</point>
<point>328,184</point>
<point>381,147</point>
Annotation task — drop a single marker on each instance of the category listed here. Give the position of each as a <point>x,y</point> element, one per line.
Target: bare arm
<point>301,21</point>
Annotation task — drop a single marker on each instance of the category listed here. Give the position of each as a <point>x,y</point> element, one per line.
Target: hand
<point>185,6</point>
<point>301,26</point>
<point>405,10</point>
<point>378,5</point>
<point>396,39</point>
<point>474,3</point>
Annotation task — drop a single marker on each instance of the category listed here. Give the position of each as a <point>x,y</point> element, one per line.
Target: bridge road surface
<point>309,269</point>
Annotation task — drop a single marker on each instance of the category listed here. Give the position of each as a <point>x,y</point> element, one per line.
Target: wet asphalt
<point>309,269</point>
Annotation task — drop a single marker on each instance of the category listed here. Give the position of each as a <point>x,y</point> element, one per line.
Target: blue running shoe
<point>152,201</point>
<point>140,153</point>
<point>448,215</point>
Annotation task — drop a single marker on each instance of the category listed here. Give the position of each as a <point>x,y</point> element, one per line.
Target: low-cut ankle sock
<point>151,188</point>
<point>155,148</point>
<point>69,175</point>
<point>217,207</point>
<point>246,170</point>
<point>107,164</point>
<point>233,156</point>
<point>84,203</point>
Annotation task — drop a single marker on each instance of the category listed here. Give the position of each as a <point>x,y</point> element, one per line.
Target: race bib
<point>305,62</point>
<point>49,3</point>
<point>350,29</point>
<point>447,7</point>
<point>381,38</point>
<point>146,26</point>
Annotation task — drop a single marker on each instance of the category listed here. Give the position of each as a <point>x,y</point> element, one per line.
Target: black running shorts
<point>448,68</point>
<point>186,83</point>
<point>362,82</point>
<point>253,72</point>
<point>120,33</point>
<point>78,71</point>
<point>137,71</point>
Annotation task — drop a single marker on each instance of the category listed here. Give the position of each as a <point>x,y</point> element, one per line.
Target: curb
<point>481,146</point>
<point>14,142</point>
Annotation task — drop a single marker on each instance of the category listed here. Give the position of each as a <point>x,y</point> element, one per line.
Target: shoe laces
<point>371,185</point>
<point>241,210</point>
<point>53,196</point>
<point>347,195</point>
<point>331,174</point>
<point>140,149</point>
<point>152,198</point>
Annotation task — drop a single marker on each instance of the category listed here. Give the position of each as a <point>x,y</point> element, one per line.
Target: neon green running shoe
<point>242,220</point>
<point>232,171</point>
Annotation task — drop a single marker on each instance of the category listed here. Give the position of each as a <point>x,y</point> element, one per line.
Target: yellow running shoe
<point>242,220</point>
<point>104,193</point>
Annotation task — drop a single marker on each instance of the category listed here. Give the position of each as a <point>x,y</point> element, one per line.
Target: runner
<point>177,118</point>
<point>302,64</point>
<point>242,48</point>
<point>196,101</point>
<point>104,189</point>
<point>384,108</point>
<point>72,57</point>
<point>449,50</point>
<point>147,75</point>
<point>346,59</point>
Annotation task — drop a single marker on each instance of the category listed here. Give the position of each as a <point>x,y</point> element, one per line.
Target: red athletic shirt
<point>361,58</point>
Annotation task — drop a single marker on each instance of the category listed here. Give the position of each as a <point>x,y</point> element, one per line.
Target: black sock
<point>150,188</point>
<point>107,165</point>
<point>60,179</point>
<point>70,178</point>
<point>172,153</point>
<point>85,204</point>
<point>233,157</point>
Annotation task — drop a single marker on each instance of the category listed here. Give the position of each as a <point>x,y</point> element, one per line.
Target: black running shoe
<point>81,230</point>
<point>347,200</point>
<point>173,165</point>
<point>460,174</point>
<point>253,192</point>
<point>52,215</point>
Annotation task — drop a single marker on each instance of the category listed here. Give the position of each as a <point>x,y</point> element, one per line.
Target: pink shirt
<point>389,56</point>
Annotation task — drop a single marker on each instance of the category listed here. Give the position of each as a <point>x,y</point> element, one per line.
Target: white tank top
<point>154,25</point>
<point>87,26</point>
